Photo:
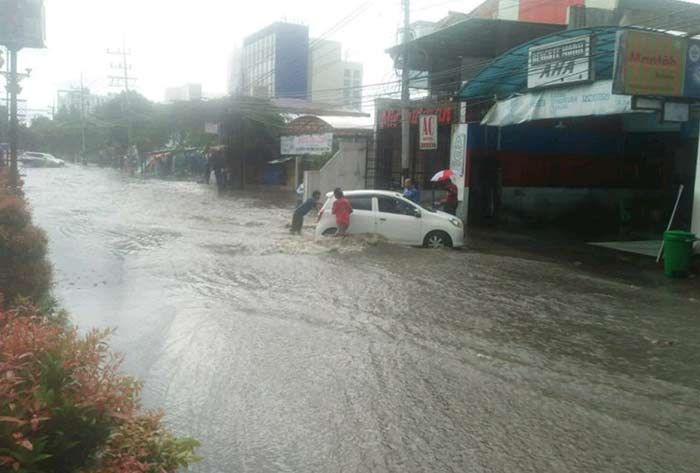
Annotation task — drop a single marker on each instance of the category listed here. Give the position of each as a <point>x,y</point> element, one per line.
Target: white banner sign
<point>458,156</point>
<point>561,62</point>
<point>306,144</point>
<point>428,136</point>
<point>211,128</point>
<point>589,100</point>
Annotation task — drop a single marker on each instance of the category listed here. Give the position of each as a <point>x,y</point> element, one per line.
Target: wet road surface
<point>285,355</point>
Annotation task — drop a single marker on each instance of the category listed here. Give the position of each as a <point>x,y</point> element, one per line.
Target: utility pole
<point>405,96</point>
<point>122,81</point>
<point>83,157</point>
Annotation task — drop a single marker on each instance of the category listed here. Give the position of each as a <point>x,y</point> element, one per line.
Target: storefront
<point>431,131</point>
<point>590,134</point>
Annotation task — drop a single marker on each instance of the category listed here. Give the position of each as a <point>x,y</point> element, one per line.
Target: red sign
<point>392,118</point>
<point>428,132</point>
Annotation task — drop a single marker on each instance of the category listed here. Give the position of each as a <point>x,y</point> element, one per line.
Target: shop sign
<point>22,23</point>
<point>306,144</point>
<point>562,62</point>
<point>392,118</point>
<point>458,150</point>
<point>650,64</point>
<point>428,134</point>
<point>692,70</point>
<point>587,100</point>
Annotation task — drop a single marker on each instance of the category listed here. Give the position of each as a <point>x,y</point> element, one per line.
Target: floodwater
<point>285,355</point>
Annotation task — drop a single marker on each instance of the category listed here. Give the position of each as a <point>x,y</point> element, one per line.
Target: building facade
<point>333,80</point>
<point>183,93</point>
<point>73,101</point>
<point>275,62</point>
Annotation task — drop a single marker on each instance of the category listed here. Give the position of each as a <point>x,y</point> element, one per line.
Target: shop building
<point>588,131</point>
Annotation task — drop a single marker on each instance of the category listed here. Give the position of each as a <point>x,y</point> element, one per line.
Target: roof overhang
<point>473,37</point>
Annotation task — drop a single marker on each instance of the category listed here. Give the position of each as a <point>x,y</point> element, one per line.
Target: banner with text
<point>561,62</point>
<point>306,144</point>
<point>650,64</point>
<point>428,136</point>
<point>580,101</point>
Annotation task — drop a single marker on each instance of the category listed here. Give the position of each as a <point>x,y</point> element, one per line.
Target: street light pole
<point>13,89</point>
<point>405,96</point>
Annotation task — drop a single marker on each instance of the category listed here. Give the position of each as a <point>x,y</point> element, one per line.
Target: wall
<point>346,169</point>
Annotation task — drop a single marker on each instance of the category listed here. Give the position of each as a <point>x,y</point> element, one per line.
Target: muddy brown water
<point>282,354</point>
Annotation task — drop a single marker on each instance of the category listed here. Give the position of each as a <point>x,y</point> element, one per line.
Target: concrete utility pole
<point>13,89</point>
<point>405,96</point>
<point>82,120</point>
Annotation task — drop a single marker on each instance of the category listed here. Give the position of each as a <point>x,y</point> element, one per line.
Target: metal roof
<point>507,74</point>
<point>473,37</point>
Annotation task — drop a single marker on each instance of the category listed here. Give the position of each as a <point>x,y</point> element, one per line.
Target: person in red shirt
<point>449,203</point>
<point>342,210</point>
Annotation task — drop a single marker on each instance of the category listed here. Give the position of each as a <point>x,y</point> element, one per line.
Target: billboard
<point>650,64</point>
<point>428,132</point>
<point>22,24</point>
<point>562,62</point>
<point>306,144</point>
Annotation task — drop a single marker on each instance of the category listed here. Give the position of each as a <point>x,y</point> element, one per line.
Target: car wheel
<point>437,239</point>
<point>330,231</point>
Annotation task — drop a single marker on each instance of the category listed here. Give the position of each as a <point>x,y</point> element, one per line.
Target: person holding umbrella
<point>451,200</point>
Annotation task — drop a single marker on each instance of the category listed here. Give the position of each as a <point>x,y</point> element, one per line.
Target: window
<point>356,74</point>
<point>390,205</point>
<point>347,73</point>
<point>361,202</point>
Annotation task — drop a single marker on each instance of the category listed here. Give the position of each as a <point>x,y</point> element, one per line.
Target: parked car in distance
<point>389,215</point>
<point>40,160</point>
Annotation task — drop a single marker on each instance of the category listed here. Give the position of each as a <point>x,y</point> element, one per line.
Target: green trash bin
<point>678,253</point>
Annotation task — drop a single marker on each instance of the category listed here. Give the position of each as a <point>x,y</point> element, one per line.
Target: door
<point>397,221</point>
<point>362,219</point>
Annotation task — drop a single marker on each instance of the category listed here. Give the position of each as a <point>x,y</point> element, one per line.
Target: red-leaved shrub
<point>65,407</point>
<point>24,269</point>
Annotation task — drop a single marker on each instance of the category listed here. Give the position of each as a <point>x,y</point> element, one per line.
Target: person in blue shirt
<point>302,210</point>
<point>410,191</point>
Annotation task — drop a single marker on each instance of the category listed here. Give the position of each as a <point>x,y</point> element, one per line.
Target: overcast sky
<point>178,41</point>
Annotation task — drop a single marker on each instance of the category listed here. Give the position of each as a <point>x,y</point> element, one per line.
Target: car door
<point>398,220</point>
<point>362,219</point>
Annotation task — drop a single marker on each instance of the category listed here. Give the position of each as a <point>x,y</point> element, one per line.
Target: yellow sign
<point>650,64</point>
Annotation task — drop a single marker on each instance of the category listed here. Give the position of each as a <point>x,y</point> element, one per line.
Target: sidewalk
<point>627,267</point>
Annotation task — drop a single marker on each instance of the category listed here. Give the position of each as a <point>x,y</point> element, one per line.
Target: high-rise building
<point>183,93</point>
<point>333,80</point>
<point>275,62</point>
<point>73,101</point>
<point>235,72</point>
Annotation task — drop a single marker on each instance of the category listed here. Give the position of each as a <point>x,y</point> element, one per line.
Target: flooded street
<point>285,355</point>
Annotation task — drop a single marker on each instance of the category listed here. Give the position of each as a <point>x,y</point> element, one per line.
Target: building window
<point>347,72</point>
<point>356,74</point>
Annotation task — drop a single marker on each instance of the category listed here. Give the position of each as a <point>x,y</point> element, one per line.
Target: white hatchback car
<point>395,218</point>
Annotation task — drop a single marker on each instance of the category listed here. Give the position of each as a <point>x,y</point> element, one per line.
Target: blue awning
<point>507,74</point>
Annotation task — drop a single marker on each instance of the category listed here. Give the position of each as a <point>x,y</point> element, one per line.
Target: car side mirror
<point>417,213</point>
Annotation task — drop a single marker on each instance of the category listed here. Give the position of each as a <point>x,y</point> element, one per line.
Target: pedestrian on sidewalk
<point>410,191</point>
<point>449,203</point>
<point>302,210</point>
<point>342,210</point>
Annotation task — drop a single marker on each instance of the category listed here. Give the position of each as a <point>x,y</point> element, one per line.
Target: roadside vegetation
<point>65,406</point>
